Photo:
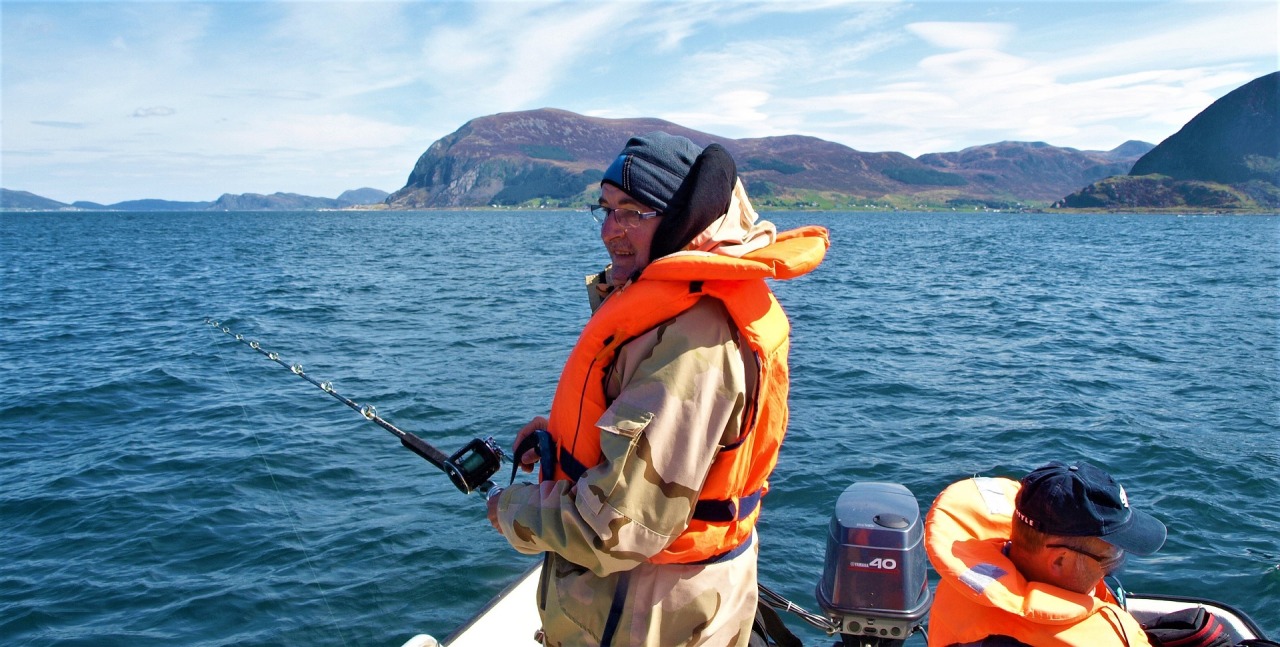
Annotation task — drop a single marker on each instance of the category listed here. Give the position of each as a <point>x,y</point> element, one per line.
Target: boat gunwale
<point>1237,618</point>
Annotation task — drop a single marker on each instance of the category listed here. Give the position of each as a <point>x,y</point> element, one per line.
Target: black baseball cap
<point>1083,501</point>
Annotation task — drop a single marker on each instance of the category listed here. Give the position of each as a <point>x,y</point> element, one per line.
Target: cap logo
<point>1124,498</point>
<point>1025,519</point>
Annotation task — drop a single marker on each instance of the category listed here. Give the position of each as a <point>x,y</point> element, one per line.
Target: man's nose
<point>610,229</point>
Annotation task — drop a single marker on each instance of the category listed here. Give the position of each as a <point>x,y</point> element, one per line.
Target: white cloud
<point>746,85</point>
<point>317,133</point>
<point>1226,32</point>
<point>154,111</point>
<point>513,54</point>
<point>730,113</point>
<point>983,66</point>
<point>1002,83</point>
<point>266,96</point>
<point>70,125</point>
<point>963,35</point>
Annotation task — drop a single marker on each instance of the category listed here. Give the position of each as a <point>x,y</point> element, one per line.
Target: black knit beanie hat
<point>652,166</point>
<point>691,187</point>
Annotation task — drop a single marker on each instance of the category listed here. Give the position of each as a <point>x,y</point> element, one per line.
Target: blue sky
<point>111,101</point>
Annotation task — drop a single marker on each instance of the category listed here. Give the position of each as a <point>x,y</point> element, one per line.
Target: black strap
<point>994,640</point>
<point>724,510</point>
<point>571,466</point>
<point>615,609</point>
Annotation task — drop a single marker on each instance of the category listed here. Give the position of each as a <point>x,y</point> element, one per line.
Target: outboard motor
<point>874,585</point>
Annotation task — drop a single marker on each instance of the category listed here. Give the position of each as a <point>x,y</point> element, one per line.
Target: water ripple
<point>164,482</point>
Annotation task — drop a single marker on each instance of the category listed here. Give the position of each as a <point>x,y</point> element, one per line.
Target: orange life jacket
<point>982,594</point>
<point>727,506</point>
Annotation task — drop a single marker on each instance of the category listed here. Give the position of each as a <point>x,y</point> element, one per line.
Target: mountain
<point>1235,140</point>
<point>27,201</point>
<point>1225,158</point>
<point>295,202</point>
<point>513,157</point>
<point>143,205</point>
<point>273,202</point>
<point>24,201</point>
<point>793,164</point>
<point>365,196</point>
<point>1132,148</point>
<point>557,157</point>
<point>1035,170</point>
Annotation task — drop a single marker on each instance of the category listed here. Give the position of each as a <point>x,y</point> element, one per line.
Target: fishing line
<point>288,512</point>
<point>469,468</point>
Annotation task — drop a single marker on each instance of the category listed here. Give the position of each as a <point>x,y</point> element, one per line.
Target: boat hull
<point>511,617</point>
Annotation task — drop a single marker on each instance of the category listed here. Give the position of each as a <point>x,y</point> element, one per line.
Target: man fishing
<point>669,413</point>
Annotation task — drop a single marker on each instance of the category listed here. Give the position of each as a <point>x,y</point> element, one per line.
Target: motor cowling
<point>875,580</point>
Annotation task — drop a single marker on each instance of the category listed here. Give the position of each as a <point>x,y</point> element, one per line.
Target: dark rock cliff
<point>1226,158</point>
<point>1235,140</point>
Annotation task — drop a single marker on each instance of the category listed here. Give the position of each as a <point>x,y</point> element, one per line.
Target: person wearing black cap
<point>669,412</point>
<point>1024,562</point>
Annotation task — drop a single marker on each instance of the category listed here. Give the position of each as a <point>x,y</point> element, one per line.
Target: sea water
<point>162,484</point>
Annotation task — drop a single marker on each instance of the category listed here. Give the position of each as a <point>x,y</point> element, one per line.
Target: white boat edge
<point>511,617</point>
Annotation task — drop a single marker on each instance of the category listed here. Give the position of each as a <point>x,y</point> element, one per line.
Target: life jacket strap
<point>571,466</point>
<point>725,510</point>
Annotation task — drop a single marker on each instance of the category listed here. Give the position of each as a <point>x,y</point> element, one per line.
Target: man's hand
<point>529,459</point>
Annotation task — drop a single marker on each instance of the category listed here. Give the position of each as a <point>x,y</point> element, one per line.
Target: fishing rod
<point>469,468</point>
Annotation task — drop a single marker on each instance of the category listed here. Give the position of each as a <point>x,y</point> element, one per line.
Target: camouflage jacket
<point>677,395</point>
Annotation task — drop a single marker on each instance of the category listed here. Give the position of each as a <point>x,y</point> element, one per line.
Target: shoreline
<point>768,209</point>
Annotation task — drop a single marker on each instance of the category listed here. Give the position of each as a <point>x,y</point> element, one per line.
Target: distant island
<point>1226,159</point>
<point>23,200</point>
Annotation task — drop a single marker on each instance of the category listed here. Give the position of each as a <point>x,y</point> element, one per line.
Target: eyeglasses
<point>626,218</point>
<point>1108,563</point>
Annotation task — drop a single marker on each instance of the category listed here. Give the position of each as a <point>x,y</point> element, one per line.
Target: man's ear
<point>1057,561</point>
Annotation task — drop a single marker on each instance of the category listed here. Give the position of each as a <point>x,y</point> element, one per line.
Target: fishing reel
<point>470,467</point>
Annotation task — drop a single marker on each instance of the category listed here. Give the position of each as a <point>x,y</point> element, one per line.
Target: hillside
<point>1235,140</point>
<point>556,157</point>
<point>1037,170</point>
<point>1225,158</point>
<point>514,157</point>
<point>25,201</point>
<point>1161,192</point>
